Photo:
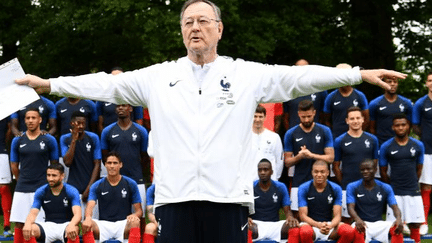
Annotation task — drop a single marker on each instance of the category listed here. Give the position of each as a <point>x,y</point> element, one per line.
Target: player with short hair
<point>115,195</point>
<point>270,196</point>
<point>305,143</point>
<point>320,208</point>
<point>351,148</point>
<point>81,152</point>
<point>30,155</point>
<point>367,199</point>
<point>267,144</point>
<point>405,156</point>
<point>66,106</point>
<point>422,122</point>
<point>61,204</point>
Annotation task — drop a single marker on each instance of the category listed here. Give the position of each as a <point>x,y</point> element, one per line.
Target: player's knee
<point>346,231</point>
<point>134,224</point>
<point>306,233</point>
<point>150,228</point>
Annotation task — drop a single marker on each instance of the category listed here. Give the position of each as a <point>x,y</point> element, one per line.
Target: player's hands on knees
<point>87,225</point>
<point>360,226</point>
<point>325,228</point>
<point>71,232</point>
<point>292,222</point>
<point>132,218</point>
<point>27,231</point>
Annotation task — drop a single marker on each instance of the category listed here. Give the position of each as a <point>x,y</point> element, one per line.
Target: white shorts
<point>291,171</point>
<point>378,230</point>
<point>426,175</point>
<point>411,208</point>
<point>111,230</point>
<point>66,170</point>
<point>344,205</point>
<point>142,190</point>
<point>269,230</point>
<point>21,205</point>
<point>103,171</point>
<point>294,198</point>
<point>318,235</point>
<point>5,170</point>
<point>54,231</point>
<point>95,214</point>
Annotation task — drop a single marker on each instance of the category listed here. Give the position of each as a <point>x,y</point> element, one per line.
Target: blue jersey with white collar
<point>108,111</point>
<point>65,110</point>
<point>422,116</point>
<point>47,110</point>
<point>268,203</point>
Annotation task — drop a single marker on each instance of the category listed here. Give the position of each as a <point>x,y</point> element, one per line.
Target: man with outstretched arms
<point>320,208</point>
<point>305,143</point>
<point>367,199</point>
<point>270,196</point>
<point>116,195</point>
<point>30,155</point>
<point>351,148</point>
<point>61,205</point>
<point>82,154</point>
<point>404,155</point>
<point>384,107</point>
<point>5,175</point>
<point>198,104</point>
<point>267,144</point>
<point>422,125</point>
<point>48,113</point>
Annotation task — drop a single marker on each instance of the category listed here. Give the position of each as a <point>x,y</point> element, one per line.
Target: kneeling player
<point>320,208</point>
<point>367,199</point>
<point>116,195</point>
<point>61,203</point>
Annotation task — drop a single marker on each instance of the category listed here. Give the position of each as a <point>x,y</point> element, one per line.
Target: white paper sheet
<point>13,96</point>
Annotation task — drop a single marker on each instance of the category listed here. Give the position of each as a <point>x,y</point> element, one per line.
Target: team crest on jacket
<point>275,198</point>
<point>318,138</point>
<point>413,151</point>
<point>367,143</point>
<point>225,85</point>
<point>42,145</point>
<point>330,199</point>
<point>124,193</point>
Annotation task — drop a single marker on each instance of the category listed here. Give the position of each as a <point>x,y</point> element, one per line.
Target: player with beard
<point>305,143</point>
<point>405,156</point>
<point>30,155</point>
<point>61,203</point>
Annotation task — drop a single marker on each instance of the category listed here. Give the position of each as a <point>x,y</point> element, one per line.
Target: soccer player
<point>61,205</point>
<point>48,113</point>
<point>422,122</point>
<point>270,196</point>
<point>81,152</point>
<point>267,144</point>
<point>305,143</point>
<point>405,156</point>
<point>5,175</point>
<point>30,155</point>
<point>66,106</point>
<point>367,199</point>
<point>202,107</point>
<point>382,109</point>
<point>337,103</point>
<point>115,195</point>
<point>151,227</point>
<point>351,148</point>
<point>320,208</point>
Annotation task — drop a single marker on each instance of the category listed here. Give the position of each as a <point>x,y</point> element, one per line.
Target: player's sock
<point>358,237</point>
<point>148,238</point>
<point>426,202</point>
<point>249,240</point>
<point>294,235</point>
<point>77,240</point>
<point>415,234</point>
<point>31,240</point>
<point>134,235</point>
<point>88,237</point>
<point>396,238</point>
<point>142,228</point>
<point>18,236</point>
<point>346,233</point>
<point>6,203</point>
<point>306,234</point>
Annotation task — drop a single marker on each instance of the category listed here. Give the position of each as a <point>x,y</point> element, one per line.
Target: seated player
<point>150,231</point>
<point>115,195</point>
<point>61,204</point>
<point>367,199</point>
<point>270,196</point>
<point>320,208</point>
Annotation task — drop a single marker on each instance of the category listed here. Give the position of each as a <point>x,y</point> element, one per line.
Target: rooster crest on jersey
<point>330,199</point>
<point>275,198</point>
<point>88,146</point>
<point>313,97</point>
<point>318,138</point>
<point>367,143</point>
<point>401,107</point>
<point>42,145</point>
<point>65,202</point>
<point>82,109</point>
<point>355,102</point>
<point>413,151</point>
<point>134,136</point>
<point>379,196</point>
<point>225,86</point>
<point>41,109</point>
<point>124,193</point>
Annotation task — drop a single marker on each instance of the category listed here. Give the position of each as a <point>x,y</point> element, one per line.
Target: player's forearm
<point>396,212</point>
<point>70,154</point>
<point>95,173</point>
<point>417,130</point>
<point>89,209</point>
<point>76,219</point>
<point>52,126</point>
<point>291,161</point>
<point>325,157</point>
<point>288,212</point>
<point>15,170</point>
<point>337,171</point>
<point>31,218</point>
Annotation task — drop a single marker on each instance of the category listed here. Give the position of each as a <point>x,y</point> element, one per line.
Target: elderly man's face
<point>200,29</point>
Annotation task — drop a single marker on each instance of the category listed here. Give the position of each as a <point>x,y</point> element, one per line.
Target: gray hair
<point>190,2</point>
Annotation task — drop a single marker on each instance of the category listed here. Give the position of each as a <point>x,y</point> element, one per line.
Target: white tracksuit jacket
<point>202,128</point>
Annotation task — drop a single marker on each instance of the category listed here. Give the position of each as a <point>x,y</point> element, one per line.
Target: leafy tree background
<point>57,37</point>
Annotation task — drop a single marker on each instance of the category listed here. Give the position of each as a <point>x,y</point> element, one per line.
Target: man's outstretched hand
<point>376,76</point>
<point>40,85</point>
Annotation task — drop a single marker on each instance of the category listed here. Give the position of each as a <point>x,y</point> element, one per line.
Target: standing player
<point>351,148</point>
<point>305,143</point>
<point>422,123</point>
<point>30,155</point>
<point>82,154</point>
<point>115,195</point>
<point>61,205</point>
<point>320,208</point>
<point>405,157</point>
<point>270,196</point>
<point>5,175</point>
<point>337,104</point>
<point>48,113</point>
<point>382,109</point>
<point>367,199</point>
<point>66,106</point>
<point>267,144</point>
<point>151,228</point>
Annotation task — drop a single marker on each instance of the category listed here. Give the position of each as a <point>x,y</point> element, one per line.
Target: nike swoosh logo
<point>115,135</point>
<point>256,197</point>
<point>393,152</point>
<point>382,108</point>
<point>360,195</point>
<point>337,103</point>
<point>427,109</point>
<point>47,201</point>
<point>22,145</point>
<point>173,84</point>
<point>299,139</point>
<point>108,104</point>
<point>311,198</point>
<point>346,144</point>
<point>244,226</point>
<point>104,193</point>
<point>61,111</point>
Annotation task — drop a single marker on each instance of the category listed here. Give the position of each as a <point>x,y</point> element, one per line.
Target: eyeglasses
<point>202,22</point>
